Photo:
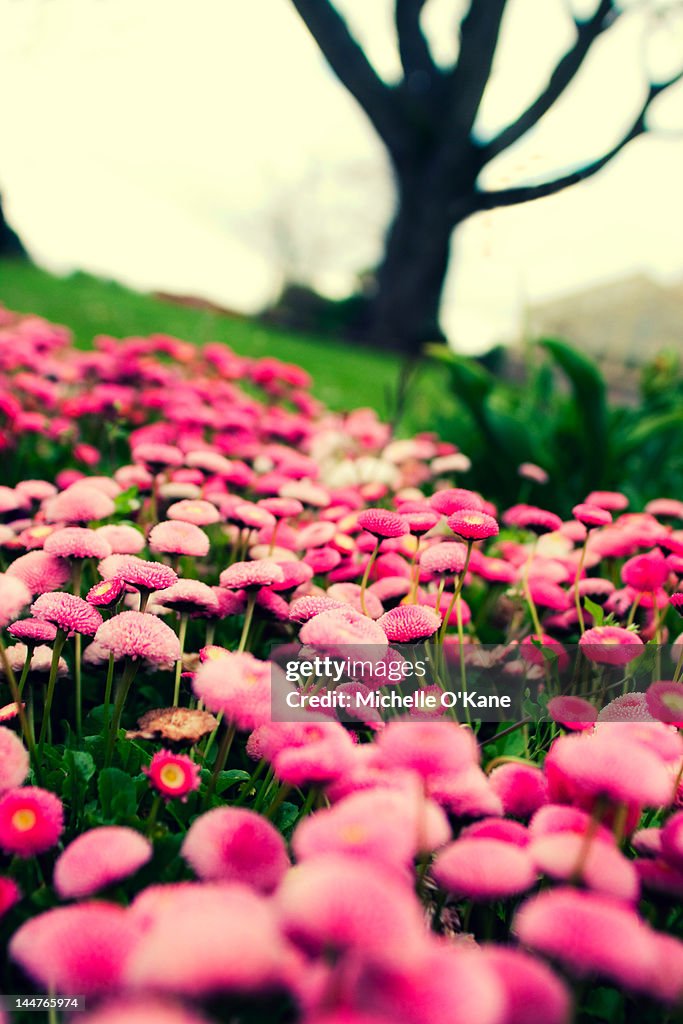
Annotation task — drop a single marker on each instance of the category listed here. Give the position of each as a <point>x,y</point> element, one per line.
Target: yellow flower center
<point>24,820</point>
<point>102,588</point>
<point>673,701</point>
<point>353,834</point>
<point>41,531</point>
<point>172,776</point>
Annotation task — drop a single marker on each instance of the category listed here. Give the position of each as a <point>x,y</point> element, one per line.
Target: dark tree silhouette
<point>10,243</point>
<point>426,122</point>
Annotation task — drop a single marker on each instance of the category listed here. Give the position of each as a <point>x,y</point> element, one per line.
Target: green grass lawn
<point>345,376</point>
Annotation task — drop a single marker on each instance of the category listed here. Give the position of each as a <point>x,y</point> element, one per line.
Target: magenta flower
<point>31,821</point>
<point>14,761</point>
<point>238,686</point>
<point>232,844</point>
<point>138,635</point>
<point>522,788</point>
<point>409,623</point>
<point>645,573</point>
<point>99,858</point>
<point>602,867</point>
<point>611,645</point>
<point>10,894</point>
<point>106,593</point>
<point>67,612</point>
<point>175,776</point>
<point>144,576</point>
<point>33,631</point>
<point>665,702</point>
<point>82,948</point>
<point>380,522</point>
<point>80,503</point>
<point>175,537</point>
<point>472,524</point>
<point>572,712</point>
<point>528,517</point>
<point>143,1010</point>
<point>453,499</point>
<point>591,515</point>
<point>531,988</point>
<point>445,559</point>
<point>484,869</point>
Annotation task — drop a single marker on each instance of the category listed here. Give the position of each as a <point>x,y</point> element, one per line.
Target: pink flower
<point>533,992</point>
<point>613,501</point>
<point>77,542</point>
<point>229,941</point>
<point>453,499</point>
<point>69,613</point>
<point>591,515</point>
<point>82,948</point>
<point>14,596</point>
<point>572,712</point>
<point>528,517</point>
<point>238,685</point>
<point>106,593</point>
<point>444,559</point>
<point>420,521</point>
<point>434,750</point>
<point>304,608</point>
<point>80,503</point>
<point>33,631</point>
<point>530,471</point>
<point>629,707</point>
<point>263,573</point>
<point>178,538</point>
<point>31,821</point>
<point>201,513</point>
<point>522,788</point>
<point>155,456</point>
<point>344,632</point>
<point>233,844</point>
<point>98,858</point>
<point>645,573</point>
<point>665,702</point>
<point>10,894</point>
<point>484,869</point>
<point>471,524</point>
<point>589,935</point>
<point>14,760</point>
<point>122,539</point>
<point>350,594</point>
<point>139,635</point>
<point>409,623</point>
<point>173,775</point>
<point>145,576</point>
<point>380,522</point>
<point>611,645</point>
<point>334,903</point>
<point>602,867</point>
<point>189,597</point>
<point>40,571</point>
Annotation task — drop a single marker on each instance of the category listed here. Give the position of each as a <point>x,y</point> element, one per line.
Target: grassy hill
<point>345,376</point>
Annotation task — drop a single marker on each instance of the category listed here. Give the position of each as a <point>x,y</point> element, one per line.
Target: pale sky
<point>204,147</point>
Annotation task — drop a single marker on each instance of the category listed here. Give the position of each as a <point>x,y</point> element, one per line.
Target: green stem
<point>144,599</point>
<point>21,711</point>
<point>527,592</point>
<point>679,665</point>
<point>577,596</point>
<point>221,760</point>
<point>78,683</point>
<point>25,669</point>
<point>153,815</point>
<point>456,594</point>
<point>248,615</point>
<point>54,670</point>
<point>107,692</point>
<point>129,674</point>
<point>366,577</point>
<point>182,632</point>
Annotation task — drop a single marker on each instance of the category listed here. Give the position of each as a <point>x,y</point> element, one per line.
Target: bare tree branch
<point>564,73</point>
<point>413,48</point>
<point>348,61</point>
<point>479,32</point>
<point>525,193</point>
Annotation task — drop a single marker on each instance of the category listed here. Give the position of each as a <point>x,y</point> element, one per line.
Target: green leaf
<point>80,768</point>
<point>229,778</point>
<point>286,817</point>
<point>595,610</point>
<point>118,798</point>
<point>127,501</point>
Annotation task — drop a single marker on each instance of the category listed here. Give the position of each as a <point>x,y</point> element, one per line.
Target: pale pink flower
<point>98,858</point>
<point>80,503</point>
<point>197,511</point>
<point>14,596</point>
<point>139,635</point>
<point>262,573</point>
<point>189,597</point>
<point>603,868</point>
<point>33,631</point>
<point>122,539</point>
<point>175,537</point>
<point>41,572</point>
<point>142,1010</point>
<point>14,760</point>
<point>484,869</point>
<point>144,576</point>
<point>239,686</point>
<point>533,992</point>
<point>409,623</point>
<point>77,542</point>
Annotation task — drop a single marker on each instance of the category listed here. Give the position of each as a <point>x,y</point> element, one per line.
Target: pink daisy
<point>528,517</point>
<point>232,844</point>
<point>343,631</point>
<point>381,522</point>
<point>144,576</point>
<point>522,788</point>
<point>77,542</point>
<point>139,635</point>
<point>10,894</point>
<point>31,821</point>
<point>572,712</point>
<point>68,612</point>
<point>33,631</point>
<point>175,537</point>
<point>611,645</point>
<point>238,685</point>
<point>409,623</point>
<point>533,991</point>
<point>81,948</point>
<point>156,457</point>
<point>665,702</point>
<point>645,573</point>
<point>14,760</point>
<point>80,503</point>
<point>471,524</point>
<point>305,608</point>
<point>602,867</point>
<point>40,571</point>
<point>122,539</point>
<point>444,559</point>
<point>173,775</point>
<point>241,575</point>
<point>454,499</point>
<point>142,1010</point>
<point>530,471</point>
<point>14,596</point>
<point>197,511</point>
<point>484,869</point>
<point>613,501</point>
<point>106,593</point>
<point>99,858</point>
<point>190,597</point>
<point>591,515</point>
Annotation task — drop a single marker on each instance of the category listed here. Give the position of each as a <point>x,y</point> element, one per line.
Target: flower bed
<point>184,837</point>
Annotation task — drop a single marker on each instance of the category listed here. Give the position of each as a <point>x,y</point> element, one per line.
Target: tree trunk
<point>10,243</point>
<point>403,312</point>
